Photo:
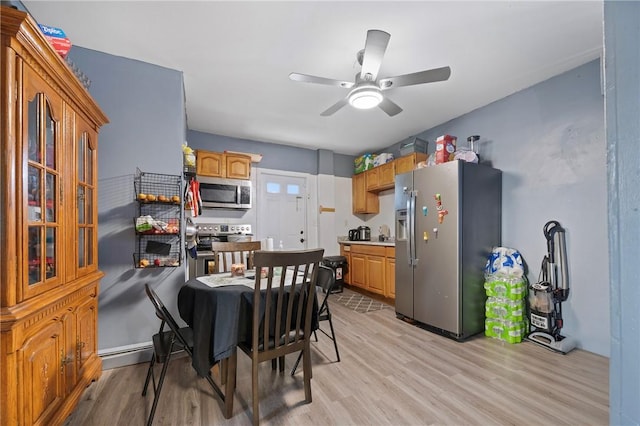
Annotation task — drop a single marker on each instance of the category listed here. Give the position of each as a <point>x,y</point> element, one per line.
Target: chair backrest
<point>228,253</point>
<point>326,278</point>
<point>283,302</point>
<point>163,313</point>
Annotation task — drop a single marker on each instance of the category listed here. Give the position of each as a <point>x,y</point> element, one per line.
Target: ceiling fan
<point>367,90</point>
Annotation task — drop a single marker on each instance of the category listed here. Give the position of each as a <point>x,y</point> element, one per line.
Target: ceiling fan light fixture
<point>365,97</point>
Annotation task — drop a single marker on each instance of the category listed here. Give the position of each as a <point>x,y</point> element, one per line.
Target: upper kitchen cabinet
<point>363,200</point>
<point>408,162</point>
<point>49,275</point>
<point>223,164</point>
<point>381,178</point>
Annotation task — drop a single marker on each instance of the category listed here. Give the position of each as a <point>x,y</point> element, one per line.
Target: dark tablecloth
<point>221,317</point>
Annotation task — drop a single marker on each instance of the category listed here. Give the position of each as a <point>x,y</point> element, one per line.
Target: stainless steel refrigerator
<point>448,219</point>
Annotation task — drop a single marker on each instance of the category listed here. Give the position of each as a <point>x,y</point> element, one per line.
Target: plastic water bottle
<point>280,246</point>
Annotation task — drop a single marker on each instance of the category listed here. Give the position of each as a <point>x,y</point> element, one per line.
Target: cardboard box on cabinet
<point>57,38</point>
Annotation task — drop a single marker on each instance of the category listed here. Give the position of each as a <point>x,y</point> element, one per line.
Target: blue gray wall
<point>145,106</point>
<point>277,157</point>
<point>622,83</point>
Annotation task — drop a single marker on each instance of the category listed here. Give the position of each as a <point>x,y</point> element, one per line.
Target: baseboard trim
<point>125,355</point>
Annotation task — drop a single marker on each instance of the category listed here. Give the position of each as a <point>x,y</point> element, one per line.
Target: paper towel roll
<point>268,244</point>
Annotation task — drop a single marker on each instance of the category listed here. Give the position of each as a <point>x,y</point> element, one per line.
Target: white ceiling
<point>236,58</point>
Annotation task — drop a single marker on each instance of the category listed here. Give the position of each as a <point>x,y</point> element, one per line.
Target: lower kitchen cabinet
<point>358,270</point>
<point>371,267</point>
<point>390,281</point>
<point>375,273</point>
<point>345,250</point>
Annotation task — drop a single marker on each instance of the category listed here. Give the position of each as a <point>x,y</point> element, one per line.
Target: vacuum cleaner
<point>546,296</point>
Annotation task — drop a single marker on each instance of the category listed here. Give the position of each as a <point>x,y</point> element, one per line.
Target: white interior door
<point>282,210</point>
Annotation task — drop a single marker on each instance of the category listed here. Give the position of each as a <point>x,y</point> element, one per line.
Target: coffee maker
<point>362,233</point>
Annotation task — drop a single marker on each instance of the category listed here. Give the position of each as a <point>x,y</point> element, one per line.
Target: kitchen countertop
<point>370,243</point>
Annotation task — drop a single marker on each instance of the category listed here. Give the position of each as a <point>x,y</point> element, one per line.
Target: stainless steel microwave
<point>225,193</point>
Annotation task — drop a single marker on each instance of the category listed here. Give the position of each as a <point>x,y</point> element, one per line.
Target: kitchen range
<point>203,234</point>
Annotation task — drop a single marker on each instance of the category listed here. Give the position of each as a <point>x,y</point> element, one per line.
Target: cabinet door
<point>210,164</point>
<point>386,176</point>
<point>372,178</point>
<point>86,325</point>
<point>363,200</point>
<point>345,251</point>
<point>83,211</point>
<point>41,388</point>
<point>238,166</point>
<point>358,270</point>
<point>375,274</point>
<point>408,162</point>
<point>42,227</point>
<point>390,281</point>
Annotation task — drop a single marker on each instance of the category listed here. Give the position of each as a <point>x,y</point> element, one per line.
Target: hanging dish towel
<point>192,198</point>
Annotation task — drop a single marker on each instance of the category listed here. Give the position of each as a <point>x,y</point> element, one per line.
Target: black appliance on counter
<point>362,233</point>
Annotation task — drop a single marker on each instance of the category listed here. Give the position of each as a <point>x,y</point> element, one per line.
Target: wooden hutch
<point>49,229</point>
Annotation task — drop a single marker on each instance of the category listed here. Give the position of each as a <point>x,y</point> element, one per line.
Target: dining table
<point>219,310</point>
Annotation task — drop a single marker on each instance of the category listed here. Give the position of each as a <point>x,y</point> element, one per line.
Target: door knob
<point>302,240</point>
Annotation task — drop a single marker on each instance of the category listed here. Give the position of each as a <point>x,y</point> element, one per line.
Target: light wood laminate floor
<point>391,373</point>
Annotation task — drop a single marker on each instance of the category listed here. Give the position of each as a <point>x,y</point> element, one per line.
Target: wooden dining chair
<point>169,342</point>
<point>228,253</point>
<point>282,312</point>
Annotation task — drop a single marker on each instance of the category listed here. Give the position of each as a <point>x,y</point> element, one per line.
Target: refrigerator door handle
<point>412,228</point>
<point>409,230</point>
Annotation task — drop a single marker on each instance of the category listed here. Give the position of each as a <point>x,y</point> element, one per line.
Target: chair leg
<point>333,337</point>
<point>295,366</point>
<point>306,369</point>
<point>255,390</point>
<point>149,373</point>
<point>223,370</point>
<point>281,363</point>
<point>230,386</point>
<point>156,396</point>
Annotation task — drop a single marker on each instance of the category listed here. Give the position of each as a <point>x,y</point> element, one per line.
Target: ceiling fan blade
<point>319,80</point>
<point>374,49</point>
<point>335,107</point>
<point>428,76</point>
<point>390,107</point>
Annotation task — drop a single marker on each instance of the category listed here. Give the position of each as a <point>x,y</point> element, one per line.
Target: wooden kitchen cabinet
<point>367,185</point>
<point>49,229</point>
<point>390,273</point>
<point>238,166</point>
<point>210,163</point>
<point>375,273</point>
<point>223,165</point>
<point>345,250</point>
<point>368,267</point>
<point>363,200</point>
<point>381,178</point>
<point>408,162</point>
<point>358,270</point>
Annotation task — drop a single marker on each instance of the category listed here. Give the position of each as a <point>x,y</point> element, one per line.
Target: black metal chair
<point>167,343</point>
<point>326,281</point>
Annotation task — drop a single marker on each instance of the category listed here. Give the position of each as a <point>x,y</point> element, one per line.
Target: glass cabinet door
<point>41,189</point>
<point>86,226</point>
